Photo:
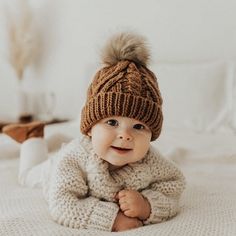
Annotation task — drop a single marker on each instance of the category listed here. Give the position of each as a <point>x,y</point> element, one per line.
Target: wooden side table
<point>53,121</point>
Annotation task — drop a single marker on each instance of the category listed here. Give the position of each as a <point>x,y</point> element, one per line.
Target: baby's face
<point>120,140</point>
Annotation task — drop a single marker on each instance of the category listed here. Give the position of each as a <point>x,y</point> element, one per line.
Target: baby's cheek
<point>141,151</point>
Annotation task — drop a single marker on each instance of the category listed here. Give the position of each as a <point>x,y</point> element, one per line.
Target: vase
<point>44,105</point>
<point>24,108</point>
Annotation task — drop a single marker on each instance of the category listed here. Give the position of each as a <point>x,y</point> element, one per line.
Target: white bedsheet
<point>208,205</point>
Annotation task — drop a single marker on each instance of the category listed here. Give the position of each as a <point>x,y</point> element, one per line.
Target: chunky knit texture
<point>82,189</point>
<point>126,88</point>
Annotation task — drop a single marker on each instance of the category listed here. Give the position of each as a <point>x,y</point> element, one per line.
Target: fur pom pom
<point>126,46</point>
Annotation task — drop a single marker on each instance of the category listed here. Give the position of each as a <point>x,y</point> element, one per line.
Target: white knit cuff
<point>103,216</point>
<point>162,208</point>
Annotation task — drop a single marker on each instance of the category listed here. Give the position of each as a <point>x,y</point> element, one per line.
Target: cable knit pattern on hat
<point>82,189</point>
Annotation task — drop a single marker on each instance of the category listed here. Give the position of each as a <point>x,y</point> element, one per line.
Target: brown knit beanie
<point>125,86</point>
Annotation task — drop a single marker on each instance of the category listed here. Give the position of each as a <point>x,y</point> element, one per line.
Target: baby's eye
<point>112,122</point>
<point>138,126</point>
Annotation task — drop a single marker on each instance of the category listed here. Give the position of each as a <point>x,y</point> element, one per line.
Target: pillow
<point>195,96</point>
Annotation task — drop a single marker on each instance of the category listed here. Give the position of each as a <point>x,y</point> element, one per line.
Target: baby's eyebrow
<point>139,123</point>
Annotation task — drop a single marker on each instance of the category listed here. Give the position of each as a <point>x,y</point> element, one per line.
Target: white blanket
<point>208,205</point>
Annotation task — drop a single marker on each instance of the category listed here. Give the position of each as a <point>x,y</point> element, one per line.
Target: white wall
<point>74,30</point>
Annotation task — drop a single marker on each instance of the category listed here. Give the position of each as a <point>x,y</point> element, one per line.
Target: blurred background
<point>49,49</point>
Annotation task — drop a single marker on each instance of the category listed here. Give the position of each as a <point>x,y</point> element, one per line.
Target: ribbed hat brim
<point>122,104</point>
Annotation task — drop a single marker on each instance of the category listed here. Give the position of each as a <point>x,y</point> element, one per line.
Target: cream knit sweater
<point>82,189</point>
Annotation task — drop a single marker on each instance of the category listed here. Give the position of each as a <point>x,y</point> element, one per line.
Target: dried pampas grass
<point>23,38</point>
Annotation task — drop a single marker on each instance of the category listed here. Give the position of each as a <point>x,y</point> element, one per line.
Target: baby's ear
<point>89,133</point>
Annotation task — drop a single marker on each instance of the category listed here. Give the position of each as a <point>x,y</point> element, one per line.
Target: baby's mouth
<point>121,149</point>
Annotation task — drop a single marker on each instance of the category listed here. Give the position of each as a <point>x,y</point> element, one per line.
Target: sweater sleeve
<point>69,202</point>
<point>164,192</point>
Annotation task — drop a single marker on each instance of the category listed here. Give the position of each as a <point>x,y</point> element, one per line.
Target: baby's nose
<point>125,136</point>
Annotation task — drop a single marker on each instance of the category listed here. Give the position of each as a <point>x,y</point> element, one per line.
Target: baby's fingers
<point>122,193</point>
<point>124,207</point>
<point>130,213</point>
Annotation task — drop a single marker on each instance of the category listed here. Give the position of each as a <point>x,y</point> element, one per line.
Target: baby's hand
<point>123,222</point>
<point>133,204</point>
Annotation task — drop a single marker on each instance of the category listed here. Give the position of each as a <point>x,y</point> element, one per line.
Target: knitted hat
<point>125,86</point>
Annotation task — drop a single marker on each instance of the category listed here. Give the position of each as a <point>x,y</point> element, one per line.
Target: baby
<point>111,179</point>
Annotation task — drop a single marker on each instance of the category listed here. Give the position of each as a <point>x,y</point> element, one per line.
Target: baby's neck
<point>112,167</point>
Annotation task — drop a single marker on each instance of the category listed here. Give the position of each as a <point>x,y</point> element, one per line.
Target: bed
<point>208,205</point>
